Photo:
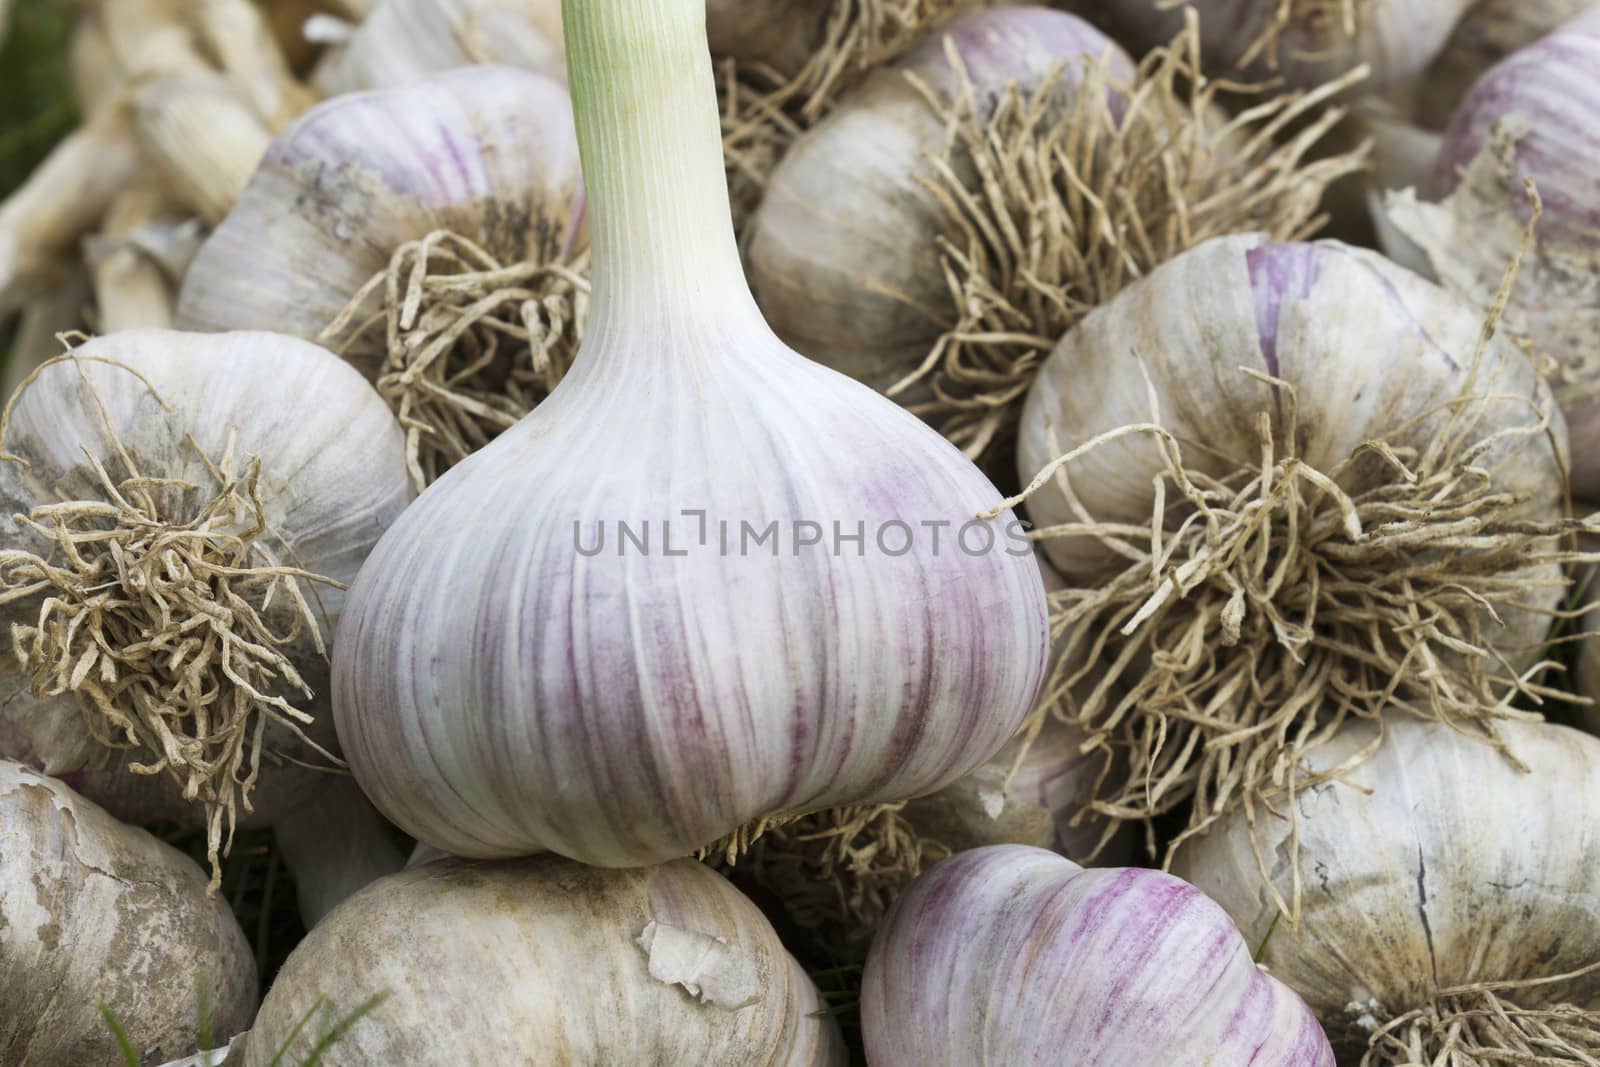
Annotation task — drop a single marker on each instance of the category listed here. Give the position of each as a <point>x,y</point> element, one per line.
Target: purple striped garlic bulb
<point>1306,42</point>
<point>544,961</point>
<point>1255,468</point>
<point>1535,116</point>
<point>94,912</point>
<point>432,234</point>
<point>1447,900</point>
<point>1009,955</point>
<point>183,512</point>
<point>616,632</point>
<point>405,42</point>
<point>843,251</point>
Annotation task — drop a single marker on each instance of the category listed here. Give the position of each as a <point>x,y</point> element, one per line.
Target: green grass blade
<point>129,1056</point>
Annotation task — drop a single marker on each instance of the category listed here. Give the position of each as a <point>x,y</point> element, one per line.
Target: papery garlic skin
<point>843,251</point>
<point>1009,955</point>
<point>332,478</point>
<point>502,689</point>
<point>781,34</point>
<point>1395,38</point>
<point>1366,345</point>
<point>486,153</point>
<point>94,912</point>
<point>403,42</point>
<point>544,961</point>
<point>1436,863</point>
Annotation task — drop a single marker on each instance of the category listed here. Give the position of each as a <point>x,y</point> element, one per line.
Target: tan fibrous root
<point>1262,609</point>
<point>1323,24</point>
<point>1070,208</point>
<point>836,871</point>
<point>1482,1025</point>
<point>763,111</point>
<point>471,344</point>
<point>163,607</point>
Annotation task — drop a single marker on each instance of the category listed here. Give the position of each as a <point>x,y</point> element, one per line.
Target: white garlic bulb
<point>1535,116</point>
<point>93,912</point>
<point>623,705</point>
<point>403,42</point>
<point>1435,867</point>
<point>183,512</point>
<point>843,251</point>
<point>1269,456</point>
<point>544,961</point>
<point>1009,955</point>
<point>1307,42</point>
<point>434,235</point>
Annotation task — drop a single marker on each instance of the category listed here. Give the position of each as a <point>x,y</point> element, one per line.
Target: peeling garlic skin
<point>1550,89</point>
<point>544,961</point>
<point>488,153</point>
<point>1435,863</point>
<point>332,478</point>
<point>843,252</point>
<point>94,911</point>
<point>1009,955</point>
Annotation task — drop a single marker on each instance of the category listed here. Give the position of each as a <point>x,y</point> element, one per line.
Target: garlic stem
<point>237,33</point>
<point>57,310</point>
<point>203,135</point>
<point>131,290</point>
<point>651,141</point>
<point>334,845</point>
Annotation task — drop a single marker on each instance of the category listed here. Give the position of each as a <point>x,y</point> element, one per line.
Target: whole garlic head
<point>544,961</point>
<point>244,477</point>
<point>93,912</point>
<point>1437,865</point>
<point>1009,955</point>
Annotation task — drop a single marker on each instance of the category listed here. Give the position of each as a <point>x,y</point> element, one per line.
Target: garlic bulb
<point>543,961</point>
<point>880,251</point>
<point>403,42</point>
<point>183,516</point>
<point>433,234</point>
<point>779,34</point>
<point>93,912</point>
<point>1009,955</point>
<point>1307,42</point>
<point>623,705</point>
<point>1535,116</point>
<point>1293,480</point>
<point>1446,893</point>
<point>1486,34</point>
<point>842,251</point>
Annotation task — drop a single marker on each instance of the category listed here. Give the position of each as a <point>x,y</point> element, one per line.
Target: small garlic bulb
<point>1307,42</point>
<point>543,961</point>
<point>93,912</point>
<point>1009,955</point>
<point>434,235</point>
<point>1445,892</point>
<point>183,512</point>
<point>843,251</point>
<point>625,705</point>
<point>335,844</point>
<point>403,42</point>
<point>1535,116</point>
<point>780,34</point>
<point>1269,456</point>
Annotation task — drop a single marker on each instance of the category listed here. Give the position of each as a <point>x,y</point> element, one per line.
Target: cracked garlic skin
<point>1435,864</point>
<point>486,153</point>
<point>502,688</point>
<point>1371,350</point>
<point>93,911</point>
<point>843,250</point>
<point>1009,955</point>
<point>544,961</point>
<point>332,478</point>
<point>404,42</point>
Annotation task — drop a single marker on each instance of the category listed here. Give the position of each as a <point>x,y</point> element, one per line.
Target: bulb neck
<point>650,134</point>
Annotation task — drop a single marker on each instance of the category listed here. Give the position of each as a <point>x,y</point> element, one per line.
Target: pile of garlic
<point>830,530</point>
